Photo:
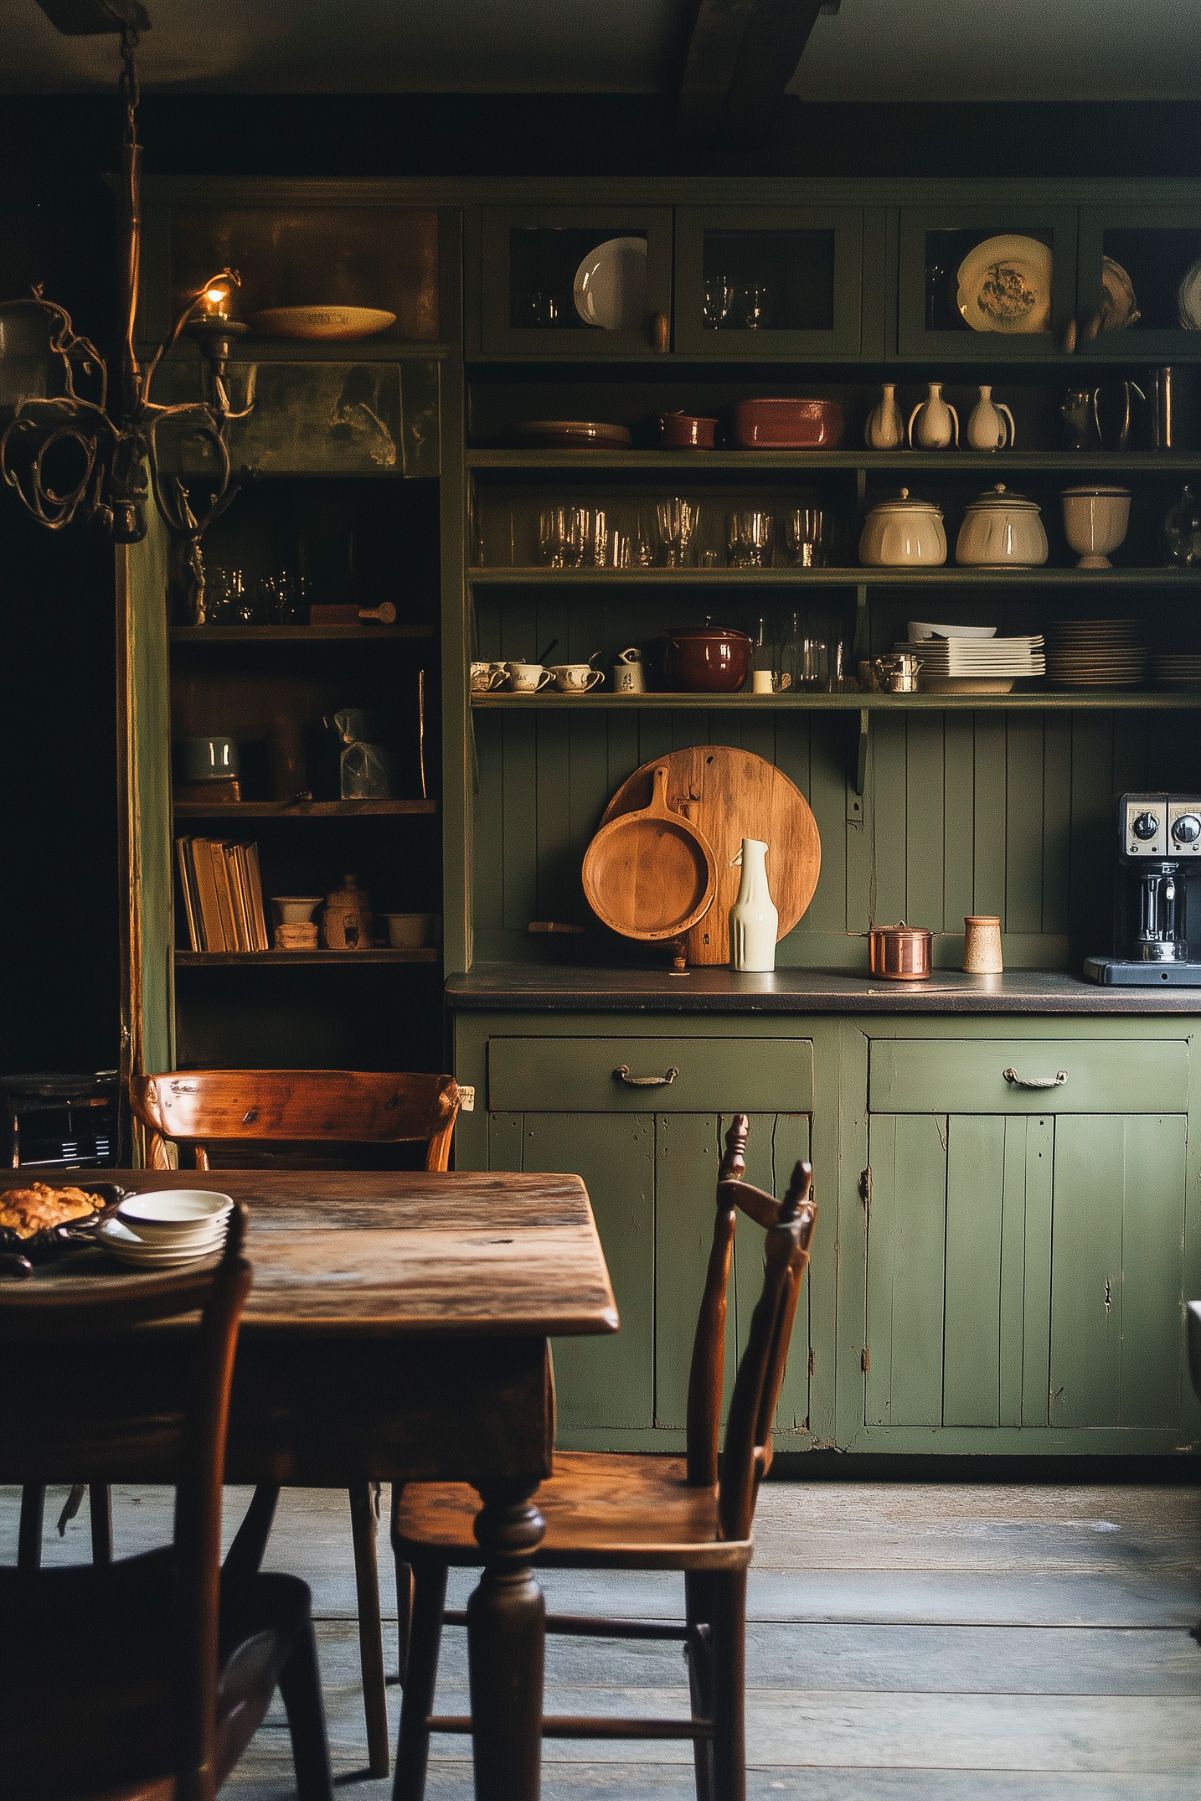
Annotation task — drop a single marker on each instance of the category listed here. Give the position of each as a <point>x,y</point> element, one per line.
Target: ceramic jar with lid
<point>901,532</point>
<point>1001,530</point>
<point>706,659</point>
<point>346,925</point>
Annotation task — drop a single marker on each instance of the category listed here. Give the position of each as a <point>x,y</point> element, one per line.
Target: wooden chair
<point>146,1677</point>
<point>200,1110</point>
<point>631,1511</point>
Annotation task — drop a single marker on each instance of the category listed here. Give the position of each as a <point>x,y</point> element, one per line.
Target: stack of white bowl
<point>971,659</point>
<point>167,1227</point>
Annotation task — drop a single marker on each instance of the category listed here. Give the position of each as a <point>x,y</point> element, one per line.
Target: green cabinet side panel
<point>1117,1269</point>
<point>148,800</point>
<point>905,1295</point>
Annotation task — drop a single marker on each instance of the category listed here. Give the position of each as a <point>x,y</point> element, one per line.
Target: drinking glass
<point>540,309</point>
<point>676,521</point>
<point>577,536</point>
<point>601,536</point>
<point>717,302</point>
<point>225,595</point>
<point>749,539</point>
<point>564,534</point>
<point>754,305</point>
<point>550,536</point>
<point>803,528</point>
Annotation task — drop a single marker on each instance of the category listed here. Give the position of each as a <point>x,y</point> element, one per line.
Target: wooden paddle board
<point>730,795</point>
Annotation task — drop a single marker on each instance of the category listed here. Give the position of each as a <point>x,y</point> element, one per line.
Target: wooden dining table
<point>398,1330</point>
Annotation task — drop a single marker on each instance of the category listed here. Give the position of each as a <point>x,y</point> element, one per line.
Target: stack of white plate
<point>1177,669</point>
<point>168,1227</point>
<point>974,665</point>
<point>1096,653</point>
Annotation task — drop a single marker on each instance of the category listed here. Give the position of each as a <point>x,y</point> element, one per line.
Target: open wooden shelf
<point>1030,700</point>
<point>318,959</point>
<point>1094,581</point>
<point>302,809</point>
<point>671,461</point>
<point>297,634</point>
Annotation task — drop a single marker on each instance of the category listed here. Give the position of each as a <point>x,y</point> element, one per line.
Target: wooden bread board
<point>730,795</point>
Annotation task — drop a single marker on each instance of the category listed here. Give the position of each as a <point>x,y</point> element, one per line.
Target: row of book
<point>222,894</point>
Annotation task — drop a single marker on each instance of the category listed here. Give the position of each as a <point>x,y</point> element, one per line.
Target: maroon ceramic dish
<point>686,431</point>
<point>706,659</point>
<point>787,425</point>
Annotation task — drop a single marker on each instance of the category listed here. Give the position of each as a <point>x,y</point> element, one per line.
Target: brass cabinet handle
<point>622,1074</point>
<point>1055,1081</point>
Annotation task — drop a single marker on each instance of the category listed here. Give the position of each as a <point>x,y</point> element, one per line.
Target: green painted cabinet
<point>1027,1249</point>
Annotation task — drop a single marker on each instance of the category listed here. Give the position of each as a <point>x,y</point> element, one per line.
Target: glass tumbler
<point>717,302</point>
<point>676,521</point>
<point>803,528</point>
<point>749,539</point>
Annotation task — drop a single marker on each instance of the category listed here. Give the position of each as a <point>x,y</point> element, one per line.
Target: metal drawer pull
<point>1055,1081</point>
<point>622,1074</point>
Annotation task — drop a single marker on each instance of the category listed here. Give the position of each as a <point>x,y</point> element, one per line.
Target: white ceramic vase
<point>754,920</point>
<point>990,424</point>
<point>933,423</point>
<point>885,427</point>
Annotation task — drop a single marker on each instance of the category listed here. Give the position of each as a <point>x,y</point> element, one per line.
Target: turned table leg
<point>506,1641</point>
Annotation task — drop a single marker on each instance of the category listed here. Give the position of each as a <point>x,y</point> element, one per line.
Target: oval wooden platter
<point>650,873</point>
<point>730,795</point>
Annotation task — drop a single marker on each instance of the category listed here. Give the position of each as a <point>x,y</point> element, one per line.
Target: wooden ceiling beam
<point>741,56</point>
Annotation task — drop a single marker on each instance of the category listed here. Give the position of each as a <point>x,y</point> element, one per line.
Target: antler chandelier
<point>92,449</point>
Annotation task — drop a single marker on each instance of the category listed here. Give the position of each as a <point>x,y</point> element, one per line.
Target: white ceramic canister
<point>1001,530</point>
<point>903,531</point>
<point>754,920</point>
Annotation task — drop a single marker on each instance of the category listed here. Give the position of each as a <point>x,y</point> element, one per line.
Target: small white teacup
<point>528,678</point>
<point>486,676</point>
<point>575,678</point>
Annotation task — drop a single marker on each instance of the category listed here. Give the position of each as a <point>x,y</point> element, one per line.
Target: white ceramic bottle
<point>990,423</point>
<point>933,423</point>
<point>753,917</point>
<point>885,428</point>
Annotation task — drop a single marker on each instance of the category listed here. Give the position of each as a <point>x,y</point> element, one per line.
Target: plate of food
<point>40,1221</point>
<point>333,324</point>
<point>1004,284</point>
<point>609,289</point>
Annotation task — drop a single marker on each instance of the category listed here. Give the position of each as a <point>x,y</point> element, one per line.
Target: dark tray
<point>18,1256</point>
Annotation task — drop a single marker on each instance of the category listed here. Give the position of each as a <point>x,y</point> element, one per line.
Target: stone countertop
<point>538,988</point>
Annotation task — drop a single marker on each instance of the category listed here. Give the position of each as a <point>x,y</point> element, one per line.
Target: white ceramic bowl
<point>176,1214</point>
<point>411,931</point>
<point>1095,522</point>
<point>295,909</point>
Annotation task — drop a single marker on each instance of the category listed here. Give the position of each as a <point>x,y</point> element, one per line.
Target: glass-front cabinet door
<point>766,281</point>
<point>576,282</point>
<point>986,282</point>
<point>1140,281</point>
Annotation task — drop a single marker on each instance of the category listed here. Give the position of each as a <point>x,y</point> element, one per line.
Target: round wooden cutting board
<point>730,795</point>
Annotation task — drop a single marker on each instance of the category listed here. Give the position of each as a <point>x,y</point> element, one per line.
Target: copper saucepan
<point>901,953</point>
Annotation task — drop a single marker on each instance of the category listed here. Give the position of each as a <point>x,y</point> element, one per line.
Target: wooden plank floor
<point>907,1643</point>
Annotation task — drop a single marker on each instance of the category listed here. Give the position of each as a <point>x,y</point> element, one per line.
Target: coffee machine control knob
<point>1186,829</point>
<point>1144,825</point>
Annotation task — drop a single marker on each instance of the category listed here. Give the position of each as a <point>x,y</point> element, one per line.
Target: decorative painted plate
<point>1188,297</point>
<point>1119,308</point>
<point>334,324</point>
<point>610,285</point>
<point>1004,284</point>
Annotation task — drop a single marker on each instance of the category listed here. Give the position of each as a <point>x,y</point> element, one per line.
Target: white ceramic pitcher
<point>990,424</point>
<point>754,919</point>
<point>933,423</point>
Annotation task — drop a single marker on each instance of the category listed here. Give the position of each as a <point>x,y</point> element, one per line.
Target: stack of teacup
<point>167,1227</point>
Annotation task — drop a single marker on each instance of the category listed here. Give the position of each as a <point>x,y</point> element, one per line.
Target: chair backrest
<point>788,1228</point>
<point>201,1108</point>
<point>169,1427</point>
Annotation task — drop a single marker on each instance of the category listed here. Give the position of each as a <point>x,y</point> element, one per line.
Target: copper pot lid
<point>1005,499</point>
<point>902,932</point>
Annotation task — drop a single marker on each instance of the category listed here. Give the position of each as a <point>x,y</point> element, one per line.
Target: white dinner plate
<point>610,285</point>
<point>1119,308</point>
<point>1004,284</point>
<point>1188,297</point>
<point>121,1243</point>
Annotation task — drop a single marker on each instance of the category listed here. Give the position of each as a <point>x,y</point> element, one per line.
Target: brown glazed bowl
<point>687,431</point>
<point>901,953</point>
<point>786,425</point>
<point>706,659</point>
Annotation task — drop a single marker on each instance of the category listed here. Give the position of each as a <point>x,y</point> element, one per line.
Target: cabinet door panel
<point>776,1143</point>
<point>600,1382</point>
<point>1117,1270</point>
<point>906,1233</point>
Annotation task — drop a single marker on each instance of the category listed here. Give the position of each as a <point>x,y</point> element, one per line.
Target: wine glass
<point>717,302</point>
<point>755,306</point>
<point>803,528</point>
<point>749,539</point>
<point>676,522</point>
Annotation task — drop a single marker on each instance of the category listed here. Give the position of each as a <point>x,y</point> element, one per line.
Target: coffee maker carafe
<point>1159,859</point>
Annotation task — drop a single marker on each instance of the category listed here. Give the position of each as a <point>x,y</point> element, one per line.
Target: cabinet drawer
<point>969,1076</point>
<point>752,1075</point>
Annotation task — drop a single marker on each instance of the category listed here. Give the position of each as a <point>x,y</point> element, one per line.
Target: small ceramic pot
<point>1095,522</point>
<point>206,759</point>
<point>295,909</point>
<point>785,424</point>
<point>411,931</point>
<point>1001,530</point>
<point>629,674</point>
<point>686,431</point>
<point>900,953</point>
<point>707,659</point>
<point>901,532</point>
<point>575,678</point>
<point>982,944</point>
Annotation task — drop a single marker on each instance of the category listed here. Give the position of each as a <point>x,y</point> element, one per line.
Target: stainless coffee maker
<point>1157,933</point>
